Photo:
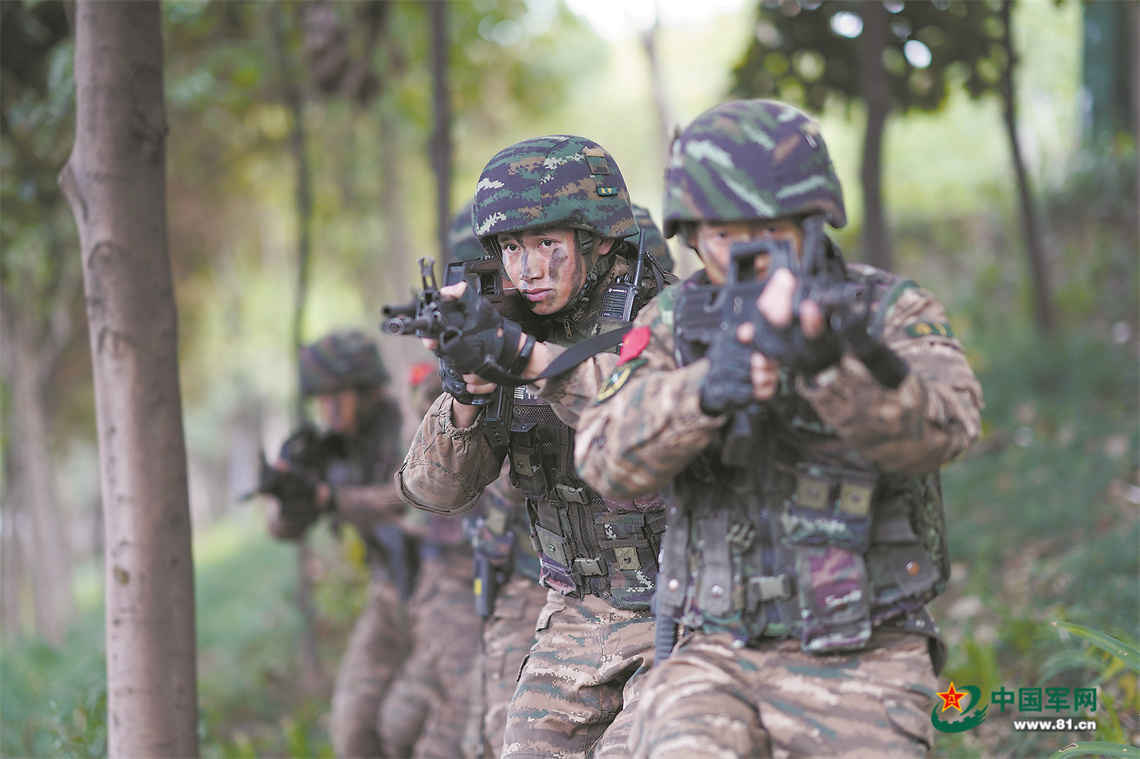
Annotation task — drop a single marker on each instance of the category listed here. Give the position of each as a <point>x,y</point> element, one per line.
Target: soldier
<point>422,714</point>
<point>806,531</point>
<point>361,430</point>
<point>556,211</point>
<point>508,580</point>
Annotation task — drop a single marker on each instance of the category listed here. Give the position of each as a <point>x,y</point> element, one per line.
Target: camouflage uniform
<point>598,555</point>
<point>502,540</point>
<point>421,715</point>
<point>423,711</point>
<point>806,535</point>
<point>364,495</point>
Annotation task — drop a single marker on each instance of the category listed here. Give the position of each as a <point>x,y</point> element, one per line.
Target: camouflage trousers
<point>376,648</point>
<point>508,635</point>
<point>581,682</point>
<point>423,713</point>
<point>712,699</point>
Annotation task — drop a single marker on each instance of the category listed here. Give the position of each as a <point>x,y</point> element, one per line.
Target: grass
<point>251,698</point>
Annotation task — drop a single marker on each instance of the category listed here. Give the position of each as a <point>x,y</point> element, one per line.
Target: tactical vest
<point>584,546</point>
<point>586,543</point>
<point>502,536</point>
<point>808,538</point>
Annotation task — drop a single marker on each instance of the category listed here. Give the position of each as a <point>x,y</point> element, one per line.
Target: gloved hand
<point>812,355</point>
<point>728,384</point>
<point>479,340</point>
<point>453,383</point>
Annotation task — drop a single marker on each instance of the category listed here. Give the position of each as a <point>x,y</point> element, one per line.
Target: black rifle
<point>429,315</point>
<point>304,457</point>
<point>710,310</point>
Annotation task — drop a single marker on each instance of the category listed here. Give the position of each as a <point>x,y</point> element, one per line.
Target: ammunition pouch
<point>614,555</point>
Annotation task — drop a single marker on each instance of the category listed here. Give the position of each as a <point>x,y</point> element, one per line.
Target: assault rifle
<point>304,456</point>
<point>708,311</point>
<point>429,315</point>
<point>301,466</point>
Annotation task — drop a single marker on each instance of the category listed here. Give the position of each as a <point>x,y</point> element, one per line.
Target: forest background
<point>1043,512</point>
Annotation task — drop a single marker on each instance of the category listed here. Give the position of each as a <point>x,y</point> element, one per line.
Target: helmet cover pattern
<point>462,243</point>
<point>341,360</point>
<point>552,181</point>
<point>751,159</point>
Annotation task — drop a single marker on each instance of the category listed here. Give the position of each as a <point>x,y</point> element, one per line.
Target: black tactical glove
<point>453,383</point>
<point>728,384</point>
<point>794,350</point>
<point>480,341</point>
<point>809,356</point>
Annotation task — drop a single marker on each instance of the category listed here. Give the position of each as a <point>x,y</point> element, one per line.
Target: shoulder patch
<point>633,344</point>
<point>926,329</point>
<point>618,379</point>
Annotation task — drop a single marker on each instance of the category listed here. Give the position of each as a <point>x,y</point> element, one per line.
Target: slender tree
<point>40,281</point>
<point>1043,312</point>
<point>440,146</point>
<point>115,183</point>
<point>303,200</point>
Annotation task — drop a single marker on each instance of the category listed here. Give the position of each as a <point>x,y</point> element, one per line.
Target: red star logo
<point>952,698</point>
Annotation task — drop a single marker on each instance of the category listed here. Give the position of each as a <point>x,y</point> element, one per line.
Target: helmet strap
<point>599,266</point>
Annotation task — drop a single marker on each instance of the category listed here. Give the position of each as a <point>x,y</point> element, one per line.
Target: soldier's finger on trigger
<point>811,318</point>
<point>453,292</point>
<point>775,302</point>
<point>745,332</point>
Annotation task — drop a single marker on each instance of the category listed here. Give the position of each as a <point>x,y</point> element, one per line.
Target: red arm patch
<point>633,344</point>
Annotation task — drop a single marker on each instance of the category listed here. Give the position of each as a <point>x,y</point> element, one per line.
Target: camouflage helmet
<point>750,159</point>
<point>341,360</point>
<point>654,242</point>
<point>553,181</point>
<point>462,244</point>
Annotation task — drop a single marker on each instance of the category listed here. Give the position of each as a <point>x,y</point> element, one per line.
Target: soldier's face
<point>546,266</point>
<point>716,238</point>
<point>338,411</point>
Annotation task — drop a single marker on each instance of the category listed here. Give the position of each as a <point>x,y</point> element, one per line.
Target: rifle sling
<point>567,360</point>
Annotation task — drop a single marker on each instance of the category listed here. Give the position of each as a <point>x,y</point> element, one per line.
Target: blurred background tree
<point>893,56</point>
<point>1049,499</point>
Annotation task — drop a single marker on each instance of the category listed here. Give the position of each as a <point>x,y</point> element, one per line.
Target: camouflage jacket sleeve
<point>647,424</point>
<point>934,415</point>
<point>447,467</point>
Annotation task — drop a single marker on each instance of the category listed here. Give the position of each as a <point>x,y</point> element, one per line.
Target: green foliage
<point>82,734</point>
<point>1126,653</point>
<point>53,700</point>
<point>810,51</point>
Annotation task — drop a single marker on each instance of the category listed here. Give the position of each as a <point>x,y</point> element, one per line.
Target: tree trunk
<point>665,119</point>
<point>441,122</point>
<point>876,93</point>
<point>1043,313</point>
<point>115,182</point>
<point>310,662</point>
<point>31,502</point>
